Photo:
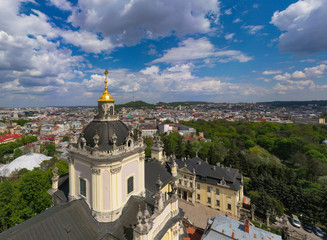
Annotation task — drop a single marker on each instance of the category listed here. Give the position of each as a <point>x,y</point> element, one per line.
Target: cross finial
<point>106,73</point>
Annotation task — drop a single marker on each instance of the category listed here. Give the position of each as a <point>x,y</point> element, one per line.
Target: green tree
<point>65,139</point>
<point>32,188</point>
<point>50,149</point>
<point>6,206</point>
<point>149,144</point>
<point>189,151</point>
<point>17,153</point>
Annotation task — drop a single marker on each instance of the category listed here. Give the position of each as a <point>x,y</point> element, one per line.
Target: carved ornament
<point>115,170</point>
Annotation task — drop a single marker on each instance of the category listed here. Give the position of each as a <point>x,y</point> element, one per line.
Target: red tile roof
<point>9,137</point>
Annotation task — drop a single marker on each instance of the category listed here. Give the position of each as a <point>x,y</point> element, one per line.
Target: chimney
<point>246,225</point>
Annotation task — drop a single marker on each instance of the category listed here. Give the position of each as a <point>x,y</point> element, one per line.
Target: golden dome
<point>106,97</point>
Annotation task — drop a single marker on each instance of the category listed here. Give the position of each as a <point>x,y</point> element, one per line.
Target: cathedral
<point>112,191</point>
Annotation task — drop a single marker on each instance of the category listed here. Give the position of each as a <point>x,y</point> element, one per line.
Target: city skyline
<point>55,52</point>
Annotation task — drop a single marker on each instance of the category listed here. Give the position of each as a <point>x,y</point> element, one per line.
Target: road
<point>302,231</point>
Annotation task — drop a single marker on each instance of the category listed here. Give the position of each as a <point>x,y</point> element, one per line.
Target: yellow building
<point>215,186</point>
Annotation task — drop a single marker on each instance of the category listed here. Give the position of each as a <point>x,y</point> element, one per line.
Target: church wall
<point>106,190</point>
<point>82,171</point>
<point>130,169</point>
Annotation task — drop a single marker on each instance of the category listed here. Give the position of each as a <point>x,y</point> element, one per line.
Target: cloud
<point>253,29</point>
<point>228,11</point>
<point>200,49</point>
<point>62,4</point>
<point>130,21</point>
<point>88,41</point>
<point>271,72</point>
<point>290,85</point>
<point>304,25</point>
<point>316,71</point>
<point>229,36</point>
<point>237,20</point>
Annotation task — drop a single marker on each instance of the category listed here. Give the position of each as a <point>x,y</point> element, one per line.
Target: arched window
<point>130,185</point>
<point>111,110</point>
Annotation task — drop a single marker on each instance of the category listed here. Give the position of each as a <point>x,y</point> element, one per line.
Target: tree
<point>17,153</point>
<point>6,207</point>
<point>179,150</point>
<point>149,143</point>
<point>32,188</point>
<point>65,139</point>
<point>50,149</point>
<point>189,151</point>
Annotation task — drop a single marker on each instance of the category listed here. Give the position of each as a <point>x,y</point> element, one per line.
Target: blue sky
<point>54,52</point>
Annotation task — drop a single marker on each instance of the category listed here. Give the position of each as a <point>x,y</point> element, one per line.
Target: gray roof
<point>105,130</point>
<point>211,174</point>
<point>153,168</point>
<point>223,228</point>
<point>74,220</point>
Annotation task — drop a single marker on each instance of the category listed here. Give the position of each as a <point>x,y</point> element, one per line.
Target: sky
<point>54,52</point>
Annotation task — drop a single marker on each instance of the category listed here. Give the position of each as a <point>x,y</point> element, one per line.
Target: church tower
<point>106,164</point>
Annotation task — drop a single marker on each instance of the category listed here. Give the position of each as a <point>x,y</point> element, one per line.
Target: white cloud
<point>228,11</point>
<point>290,85</point>
<point>298,74</point>
<point>237,20</point>
<point>229,36</point>
<point>62,4</point>
<point>271,72</point>
<point>88,41</point>
<point>253,29</point>
<point>315,72</point>
<point>198,49</point>
<point>129,21</point>
<point>284,77</point>
<point>304,25</point>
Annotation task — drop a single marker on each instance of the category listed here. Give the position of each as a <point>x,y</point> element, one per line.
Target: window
<point>208,189</point>
<point>185,183</point>
<point>198,186</point>
<point>198,196</point>
<point>180,181</point>
<point>191,178</point>
<point>229,206</point>
<point>217,191</point>
<point>191,184</point>
<point>130,185</point>
<point>111,110</point>
<point>82,187</point>
<point>209,200</point>
<point>218,203</point>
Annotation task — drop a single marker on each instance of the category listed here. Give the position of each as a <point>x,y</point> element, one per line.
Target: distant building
<point>221,227</point>
<point>307,120</point>
<point>148,130</point>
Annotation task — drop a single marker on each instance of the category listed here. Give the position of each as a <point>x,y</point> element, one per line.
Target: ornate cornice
<point>115,170</point>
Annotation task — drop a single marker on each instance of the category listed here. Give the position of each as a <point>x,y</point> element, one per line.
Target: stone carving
<point>95,171</point>
<point>96,139</point>
<point>105,108</point>
<point>252,211</point>
<point>115,170</point>
<point>114,139</point>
